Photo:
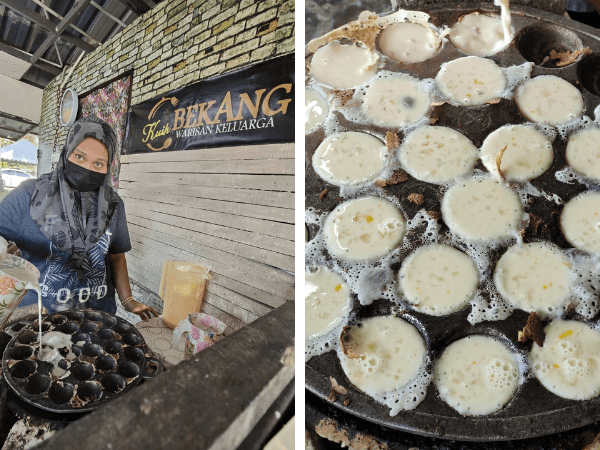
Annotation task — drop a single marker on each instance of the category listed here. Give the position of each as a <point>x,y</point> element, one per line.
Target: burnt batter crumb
<point>417,199</point>
<point>343,339</point>
<point>330,430</point>
<point>346,402</point>
<point>534,223</point>
<point>566,58</point>
<point>343,97</point>
<point>392,140</point>
<point>323,194</point>
<point>434,215</point>
<point>399,176</point>
<point>534,330</point>
<point>569,312</point>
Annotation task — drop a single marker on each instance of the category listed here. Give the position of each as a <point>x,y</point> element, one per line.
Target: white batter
<point>315,110</point>
<point>580,221</point>
<point>350,158</point>
<point>326,301</point>
<point>477,375</point>
<point>549,100</point>
<point>482,209</point>
<point>343,66</point>
<point>365,228</point>
<point>569,362</point>
<point>438,279</point>
<point>478,34</point>
<point>390,353</point>
<point>534,277</point>
<point>409,42</point>
<point>395,101</point>
<point>528,152</point>
<point>471,81</point>
<point>437,154</point>
<point>583,153</point>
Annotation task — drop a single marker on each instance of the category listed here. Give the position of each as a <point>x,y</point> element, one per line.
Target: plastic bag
<point>203,331</point>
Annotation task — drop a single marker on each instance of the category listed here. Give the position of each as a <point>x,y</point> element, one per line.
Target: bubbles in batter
<point>385,357</point>
<point>477,375</point>
<point>395,101</point>
<point>315,110</point>
<point>471,81</point>
<point>478,34</point>
<point>437,154</point>
<point>568,363</point>
<point>534,277</point>
<point>350,158</point>
<point>343,66</point>
<point>409,42</point>
<point>482,209</point>
<point>549,100</point>
<point>365,228</point>
<point>438,279</point>
<point>580,221</point>
<point>528,152</point>
<point>326,301</point>
<point>583,153</point>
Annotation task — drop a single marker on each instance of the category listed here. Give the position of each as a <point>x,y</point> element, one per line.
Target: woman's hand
<point>144,311</point>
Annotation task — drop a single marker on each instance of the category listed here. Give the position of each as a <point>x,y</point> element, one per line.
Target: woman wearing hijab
<point>71,225</point>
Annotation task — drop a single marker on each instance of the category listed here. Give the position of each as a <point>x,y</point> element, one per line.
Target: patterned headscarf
<point>74,221</point>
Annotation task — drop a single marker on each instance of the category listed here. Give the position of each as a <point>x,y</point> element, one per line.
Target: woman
<point>71,225</point>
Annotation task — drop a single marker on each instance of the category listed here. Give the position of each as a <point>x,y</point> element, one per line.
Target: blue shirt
<point>61,288</point>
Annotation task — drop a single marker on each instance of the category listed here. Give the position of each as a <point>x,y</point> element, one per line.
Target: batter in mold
<point>580,221</point>
<point>482,209</point>
<point>568,364</point>
<point>365,228</point>
<point>437,154</point>
<point>350,158</point>
<point>477,34</point>
<point>438,279</point>
<point>534,277</point>
<point>326,301</point>
<point>471,81</point>
<point>409,42</point>
<point>395,101</point>
<point>315,110</point>
<point>477,375</point>
<point>549,100</point>
<point>527,152</point>
<point>343,66</point>
<point>382,354</point>
<point>583,153</point>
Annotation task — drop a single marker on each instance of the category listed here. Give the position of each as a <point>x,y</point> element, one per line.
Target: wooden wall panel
<point>231,208</point>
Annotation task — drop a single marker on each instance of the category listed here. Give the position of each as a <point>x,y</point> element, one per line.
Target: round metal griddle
<point>533,411</point>
<point>110,359</point>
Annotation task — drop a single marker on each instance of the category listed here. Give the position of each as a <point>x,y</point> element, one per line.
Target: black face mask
<point>81,179</point>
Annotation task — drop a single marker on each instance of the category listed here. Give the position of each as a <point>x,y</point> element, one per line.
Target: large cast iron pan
<point>533,411</point>
<point>111,359</point>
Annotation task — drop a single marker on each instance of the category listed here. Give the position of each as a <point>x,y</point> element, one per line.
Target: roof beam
<point>17,119</point>
<point>137,6</point>
<point>46,66</point>
<point>47,24</point>
<point>112,16</point>
<point>69,17</point>
<point>47,10</point>
<point>26,132</point>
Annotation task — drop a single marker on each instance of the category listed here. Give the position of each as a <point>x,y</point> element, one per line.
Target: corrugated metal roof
<point>27,28</point>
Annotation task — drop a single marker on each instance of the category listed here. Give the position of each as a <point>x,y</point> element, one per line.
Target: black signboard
<point>251,106</point>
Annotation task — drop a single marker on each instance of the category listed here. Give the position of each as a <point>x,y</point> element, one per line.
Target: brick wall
<point>175,44</point>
